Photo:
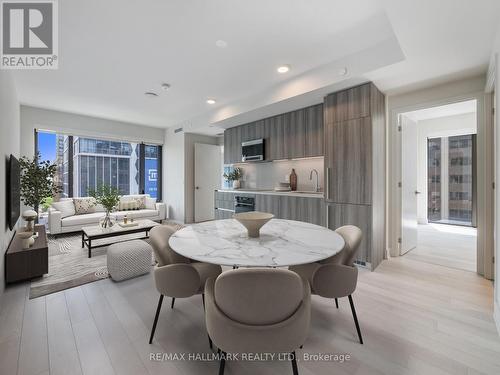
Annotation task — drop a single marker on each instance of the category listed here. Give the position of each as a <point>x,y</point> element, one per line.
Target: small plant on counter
<point>234,176</point>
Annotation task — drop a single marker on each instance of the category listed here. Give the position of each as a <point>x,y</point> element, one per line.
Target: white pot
<point>236,184</point>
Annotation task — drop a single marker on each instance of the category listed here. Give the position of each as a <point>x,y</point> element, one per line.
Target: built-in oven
<point>244,204</point>
<point>252,150</point>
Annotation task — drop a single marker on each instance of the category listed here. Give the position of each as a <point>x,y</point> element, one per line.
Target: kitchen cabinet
<point>348,104</point>
<point>348,161</point>
<point>232,145</point>
<point>295,134</point>
<point>221,214</point>
<point>354,155</point>
<point>309,210</point>
<point>268,203</point>
<point>314,134</point>
<point>338,215</point>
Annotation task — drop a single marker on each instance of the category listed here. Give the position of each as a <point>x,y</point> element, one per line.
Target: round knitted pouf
<point>129,259</point>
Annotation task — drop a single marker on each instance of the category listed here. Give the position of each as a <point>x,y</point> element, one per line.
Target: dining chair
<point>337,276</point>
<point>176,276</point>
<point>258,310</point>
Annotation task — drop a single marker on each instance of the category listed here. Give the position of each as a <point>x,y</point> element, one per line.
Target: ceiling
<point>111,52</point>
<point>455,109</point>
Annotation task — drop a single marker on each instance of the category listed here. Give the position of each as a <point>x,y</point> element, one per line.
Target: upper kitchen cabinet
<point>354,137</point>
<point>314,130</point>
<point>232,145</point>
<point>295,134</point>
<point>348,104</point>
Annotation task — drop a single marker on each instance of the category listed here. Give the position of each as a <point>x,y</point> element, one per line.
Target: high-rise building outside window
<point>84,164</point>
<point>450,179</point>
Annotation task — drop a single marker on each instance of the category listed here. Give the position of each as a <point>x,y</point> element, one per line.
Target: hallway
<point>446,245</point>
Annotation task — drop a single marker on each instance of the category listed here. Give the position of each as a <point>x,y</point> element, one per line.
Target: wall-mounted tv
<point>13,188</point>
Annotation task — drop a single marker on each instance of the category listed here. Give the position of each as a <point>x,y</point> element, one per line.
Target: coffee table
<point>96,232</point>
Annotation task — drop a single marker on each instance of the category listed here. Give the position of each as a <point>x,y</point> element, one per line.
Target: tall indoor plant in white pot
<point>234,176</point>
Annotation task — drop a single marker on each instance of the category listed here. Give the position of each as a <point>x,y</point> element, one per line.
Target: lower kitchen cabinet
<point>221,214</point>
<point>339,214</point>
<point>268,203</point>
<point>309,210</point>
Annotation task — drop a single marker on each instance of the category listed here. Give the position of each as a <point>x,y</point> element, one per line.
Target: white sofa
<point>74,223</point>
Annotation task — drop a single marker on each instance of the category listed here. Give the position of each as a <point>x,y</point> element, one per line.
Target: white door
<point>207,178</point>
<point>409,228</point>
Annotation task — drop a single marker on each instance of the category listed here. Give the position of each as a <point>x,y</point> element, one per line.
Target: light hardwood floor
<point>416,318</point>
<point>447,245</point>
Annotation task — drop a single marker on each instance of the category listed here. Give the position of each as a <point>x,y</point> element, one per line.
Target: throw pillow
<point>141,202</point>
<point>150,203</point>
<point>65,207</point>
<point>84,205</point>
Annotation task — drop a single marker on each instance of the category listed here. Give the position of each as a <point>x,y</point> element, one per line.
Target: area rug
<point>70,266</point>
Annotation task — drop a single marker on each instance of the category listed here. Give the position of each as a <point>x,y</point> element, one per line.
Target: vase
<point>236,184</point>
<point>107,221</point>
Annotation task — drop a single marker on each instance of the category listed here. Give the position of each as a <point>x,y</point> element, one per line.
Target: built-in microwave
<point>252,150</point>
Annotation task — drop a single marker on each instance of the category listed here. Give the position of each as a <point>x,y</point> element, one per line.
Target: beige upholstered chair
<point>258,310</point>
<point>336,276</point>
<point>176,276</point>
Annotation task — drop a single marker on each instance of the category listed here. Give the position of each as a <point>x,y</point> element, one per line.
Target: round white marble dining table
<point>281,243</point>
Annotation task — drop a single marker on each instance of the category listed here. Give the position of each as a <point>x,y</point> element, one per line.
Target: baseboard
<point>496,315</point>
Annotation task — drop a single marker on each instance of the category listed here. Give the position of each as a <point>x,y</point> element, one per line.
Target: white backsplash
<point>267,175</point>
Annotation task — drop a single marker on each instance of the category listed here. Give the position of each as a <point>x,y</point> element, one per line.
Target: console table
<point>24,264</point>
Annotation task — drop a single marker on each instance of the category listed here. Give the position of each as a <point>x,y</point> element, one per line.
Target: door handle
<point>197,187</point>
<point>328,216</point>
<point>327,183</point>
<point>417,192</point>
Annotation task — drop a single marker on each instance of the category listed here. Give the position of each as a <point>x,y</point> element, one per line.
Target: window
<point>456,193</point>
<point>84,164</point>
<point>151,160</point>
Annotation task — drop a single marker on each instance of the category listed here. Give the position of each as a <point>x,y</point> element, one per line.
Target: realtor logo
<point>29,34</point>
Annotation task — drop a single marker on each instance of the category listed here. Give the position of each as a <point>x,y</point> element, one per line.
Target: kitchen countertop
<point>299,193</point>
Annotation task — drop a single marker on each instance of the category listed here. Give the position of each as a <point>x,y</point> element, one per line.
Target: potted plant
<point>37,181</point>
<point>108,197</point>
<point>234,176</point>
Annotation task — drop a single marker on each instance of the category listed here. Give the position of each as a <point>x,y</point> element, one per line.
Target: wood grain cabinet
<point>232,145</point>
<point>354,144</point>
<point>290,135</point>
<point>268,203</point>
<point>309,210</point>
<point>339,215</point>
<point>314,134</point>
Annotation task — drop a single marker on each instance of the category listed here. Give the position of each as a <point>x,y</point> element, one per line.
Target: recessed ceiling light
<point>283,69</point>
<point>221,43</point>
<point>211,101</point>
<point>343,71</point>
<point>165,86</point>
<point>151,94</point>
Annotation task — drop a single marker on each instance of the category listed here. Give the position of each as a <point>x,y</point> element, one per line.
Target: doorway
<point>439,185</point>
<point>207,179</point>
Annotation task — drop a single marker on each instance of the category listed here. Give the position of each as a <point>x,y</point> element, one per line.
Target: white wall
<point>496,72</point>
<point>267,175</point>
<point>173,174</point>
<point>9,144</point>
<point>438,127</point>
<point>189,140</point>
<point>37,118</point>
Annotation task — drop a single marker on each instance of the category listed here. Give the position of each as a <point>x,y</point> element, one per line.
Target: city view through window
<point>84,163</point>
<point>450,179</point>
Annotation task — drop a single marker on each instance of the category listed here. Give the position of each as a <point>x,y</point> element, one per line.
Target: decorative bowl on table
<point>253,221</point>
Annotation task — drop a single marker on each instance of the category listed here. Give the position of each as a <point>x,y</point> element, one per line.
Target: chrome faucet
<point>317,179</point>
